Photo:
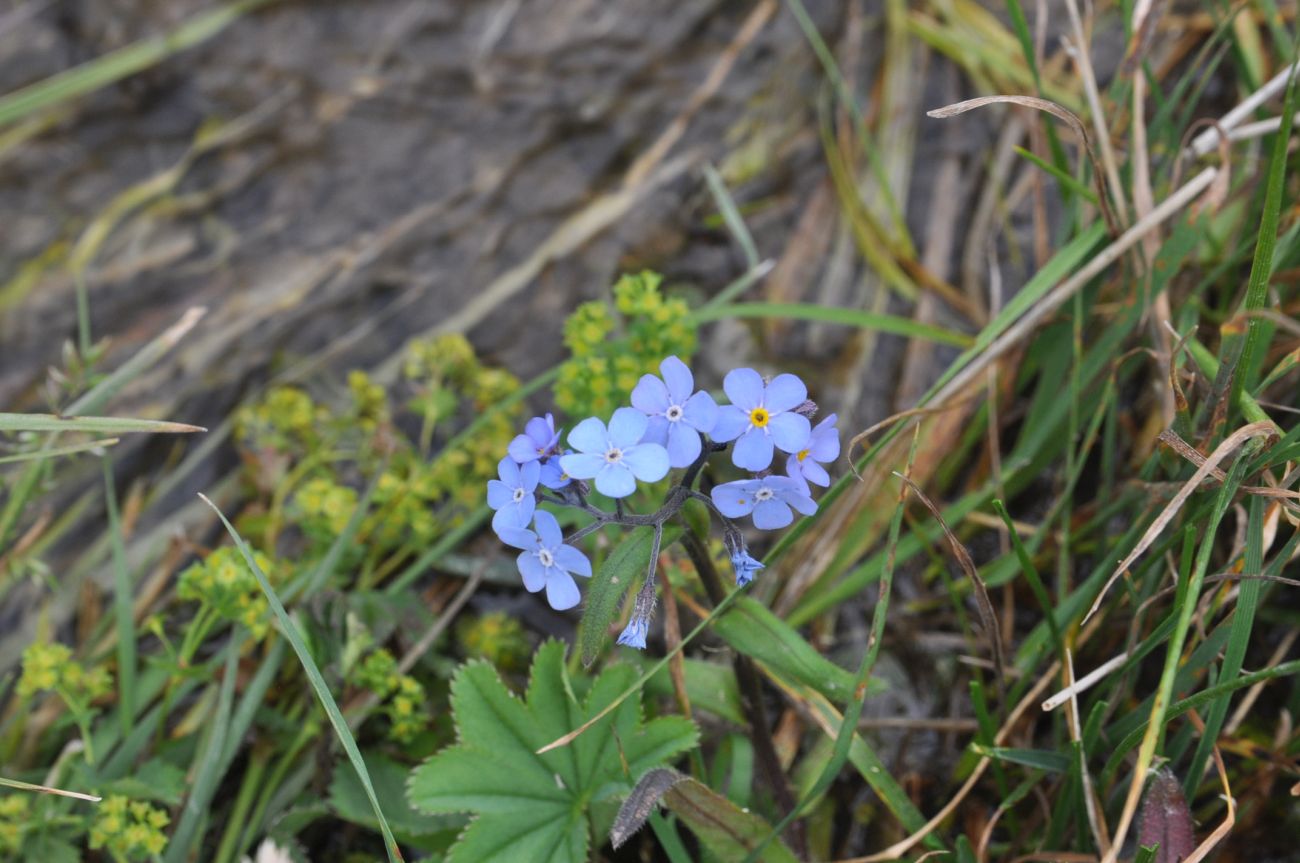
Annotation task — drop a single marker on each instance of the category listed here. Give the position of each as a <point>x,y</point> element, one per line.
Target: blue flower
<point>512,495</point>
<point>635,633</point>
<point>678,415</point>
<point>746,567</point>
<point>546,561</point>
<point>761,416</point>
<point>823,446</point>
<point>553,476</point>
<point>768,498</point>
<point>537,442</point>
<point>615,457</point>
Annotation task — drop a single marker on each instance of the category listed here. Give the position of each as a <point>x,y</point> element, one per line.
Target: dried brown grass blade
<point>1236,439</point>
<point>1171,439</point>
<point>1060,113</point>
<point>988,618</point>
<point>1230,818</point>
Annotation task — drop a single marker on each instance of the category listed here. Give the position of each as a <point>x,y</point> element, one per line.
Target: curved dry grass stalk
<point>1050,107</point>
<point>1236,439</point>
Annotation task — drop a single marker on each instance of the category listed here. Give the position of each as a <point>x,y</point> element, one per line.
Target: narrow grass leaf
<point>93,446</point>
<point>848,317</point>
<point>95,425</point>
<point>290,630</point>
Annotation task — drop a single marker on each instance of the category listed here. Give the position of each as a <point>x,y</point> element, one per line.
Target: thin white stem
<point>1209,139</point>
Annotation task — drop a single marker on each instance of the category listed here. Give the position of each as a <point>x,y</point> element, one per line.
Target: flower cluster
<point>129,830</point>
<point>224,583</point>
<point>670,425</point>
<point>51,667</point>
<point>403,696</point>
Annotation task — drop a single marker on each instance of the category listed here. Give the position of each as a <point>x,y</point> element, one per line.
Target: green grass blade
<point>96,425</point>
<point>122,606</point>
<point>207,774</point>
<point>848,317</point>
<point>53,452</point>
<point>120,64</point>
<point>290,630</point>
<point>731,215</point>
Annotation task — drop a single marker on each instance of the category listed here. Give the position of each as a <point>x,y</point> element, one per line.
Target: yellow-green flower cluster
<point>404,697</point>
<point>129,830</point>
<point>322,507</point>
<point>403,509</point>
<point>287,419</point>
<point>369,401</point>
<point>497,637</point>
<point>51,667</point>
<point>600,374</point>
<point>14,819</point>
<point>224,581</point>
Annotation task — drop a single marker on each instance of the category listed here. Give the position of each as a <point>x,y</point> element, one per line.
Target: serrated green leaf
<point>529,806</point>
<point>629,560</point>
<point>753,630</point>
<point>156,779</point>
<point>348,799</point>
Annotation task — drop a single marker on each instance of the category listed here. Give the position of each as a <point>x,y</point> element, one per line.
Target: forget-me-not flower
<point>823,446</point>
<point>615,456</point>
<point>746,567</point>
<point>553,476</point>
<point>546,561</point>
<point>537,442</point>
<point>768,498</point>
<point>761,416</point>
<point>678,415</point>
<point>634,634</point>
<point>512,495</point>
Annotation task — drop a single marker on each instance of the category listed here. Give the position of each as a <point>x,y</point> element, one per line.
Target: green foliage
<point>610,352</point>
<point>497,637</point>
<point>540,807</point>
<point>129,830</point>
<point>402,696</point>
<point>226,586</point>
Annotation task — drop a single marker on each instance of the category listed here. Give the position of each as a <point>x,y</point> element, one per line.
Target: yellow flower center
<point>802,454</point>
<point>759,417</point>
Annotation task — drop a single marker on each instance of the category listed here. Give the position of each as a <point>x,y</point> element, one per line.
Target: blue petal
<point>582,465</point>
<point>656,431</point>
<point>825,444</point>
<point>753,451</point>
<point>679,379</point>
<point>772,514</point>
<point>517,537</point>
<point>731,424</point>
<point>650,395</point>
<point>552,475</point>
<point>647,461</point>
<point>784,393</point>
<point>522,449</point>
<point>683,445</point>
<point>615,480</point>
<point>498,494</point>
<point>571,560</point>
<point>794,470</point>
<point>508,518</point>
<point>799,500</point>
<point>588,436</point>
<point>700,411</point>
<point>635,633</point>
<point>626,427</point>
<point>508,471</point>
<point>548,529</point>
<point>528,476</point>
<point>532,570</point>
<point>542,431</point>
<point>744,387</point>
<point>733,499</point>
<point>789,431</point>
<point>815,473</point>
<point>561,592</point>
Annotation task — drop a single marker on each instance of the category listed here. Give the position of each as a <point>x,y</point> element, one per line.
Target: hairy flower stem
<point>752,690</point>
